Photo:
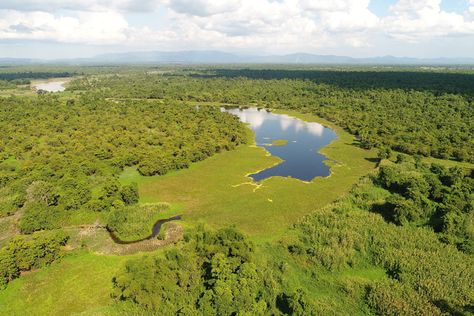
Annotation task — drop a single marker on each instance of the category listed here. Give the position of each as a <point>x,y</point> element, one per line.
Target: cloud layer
<point>284,25</point>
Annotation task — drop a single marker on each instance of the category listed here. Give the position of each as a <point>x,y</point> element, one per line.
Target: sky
<point>51,29</point>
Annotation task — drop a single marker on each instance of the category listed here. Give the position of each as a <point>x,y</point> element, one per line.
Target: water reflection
<point>54,86</point>
<point>300,156</point>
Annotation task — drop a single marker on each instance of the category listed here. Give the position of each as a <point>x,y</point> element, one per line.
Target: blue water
<point>300,156</point>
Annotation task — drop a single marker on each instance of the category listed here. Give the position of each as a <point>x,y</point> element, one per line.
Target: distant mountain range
<point>218,57</point>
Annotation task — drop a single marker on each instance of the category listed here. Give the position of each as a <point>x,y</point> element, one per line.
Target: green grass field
<point>80,281</point>
<point>218,192</point>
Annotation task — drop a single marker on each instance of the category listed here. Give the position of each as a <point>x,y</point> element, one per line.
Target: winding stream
<point>154,231</point>
<point>297,143</point>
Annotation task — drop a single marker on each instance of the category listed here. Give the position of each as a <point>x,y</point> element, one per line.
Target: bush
<point>396,299</point>
<point>129,193</point>
<point>39,216</point>
<point>23,253</point>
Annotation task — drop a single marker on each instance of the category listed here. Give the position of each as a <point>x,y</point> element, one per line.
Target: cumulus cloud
<point>275,25</point>
<point>280,25</point>
<point>203,7</point>
<point>414,20</point>
<point>83,27</point>
<point>81,5</point>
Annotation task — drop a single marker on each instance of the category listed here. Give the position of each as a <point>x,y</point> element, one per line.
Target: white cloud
<point>253,117</point>
<point>257,25</point>
<point>287,25</point>
<point>81,5</point>
<point>83,27</point>
<point>203,7</point>
<point>415,20</point>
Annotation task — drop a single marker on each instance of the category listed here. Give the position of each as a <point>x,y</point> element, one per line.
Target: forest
<point>62,157</point>
<point>124,147</point>
<point>382,109</point>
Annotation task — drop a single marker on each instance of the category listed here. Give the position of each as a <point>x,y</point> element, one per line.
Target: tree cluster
<point>433,196</point>
<point>212,273</point>
<point>24,253</point>
<point>424,275</point>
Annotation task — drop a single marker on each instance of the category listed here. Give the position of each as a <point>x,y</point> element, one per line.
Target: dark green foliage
<point>384,153</point>
<point>295,304</point>
<point>24,253</point>
<point>22,77</point>
<point>394,298</point>
<point>67,158</point>
<point>432,196</point>
<point>213,273</point>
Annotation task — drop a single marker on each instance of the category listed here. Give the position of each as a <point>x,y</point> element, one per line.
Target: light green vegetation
<point>218,192</point>
<point>280,142</point>
<point>449,163</point>
<point>335,292</point>
<point>79,282</point>
<point>7,229</point>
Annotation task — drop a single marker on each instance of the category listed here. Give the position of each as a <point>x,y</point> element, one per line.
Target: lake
<point>53,86</point>
<point>298,143</point>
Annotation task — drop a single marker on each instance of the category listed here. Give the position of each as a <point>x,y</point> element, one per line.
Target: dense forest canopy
<point>65,155</point>
<point>435,82</point>
<point>429,118</point>
<point>16,76</point>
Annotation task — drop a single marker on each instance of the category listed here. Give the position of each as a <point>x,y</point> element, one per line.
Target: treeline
<point>362,79</point>
<point>59,156</point>
<point>24,253</point>
<point>423,122</point>
<point>25,77</point>
<point>4,85</point>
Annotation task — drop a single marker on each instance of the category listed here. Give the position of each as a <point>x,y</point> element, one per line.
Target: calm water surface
<point>300,156</point>
<point>53,86</point>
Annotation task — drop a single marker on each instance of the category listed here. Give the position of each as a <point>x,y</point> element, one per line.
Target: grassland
<point>80,281</point>
<point>218,192</point>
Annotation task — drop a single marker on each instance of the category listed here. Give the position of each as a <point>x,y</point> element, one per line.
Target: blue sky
<point>358,28</point>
